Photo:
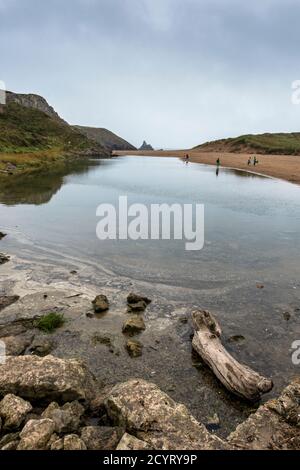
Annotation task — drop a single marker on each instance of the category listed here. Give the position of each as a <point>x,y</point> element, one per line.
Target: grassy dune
<point>268,144</point>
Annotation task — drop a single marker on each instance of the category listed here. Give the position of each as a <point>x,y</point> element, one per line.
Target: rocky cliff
<point>33,101</point>
<point>106,138</point>
<point>146,146</point>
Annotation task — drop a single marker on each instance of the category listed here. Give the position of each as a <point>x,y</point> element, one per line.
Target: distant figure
<point>249,161</point>
<point>218,162</point>
<point>255,161</point>
<point>187,157</point>
<point>217,171</point>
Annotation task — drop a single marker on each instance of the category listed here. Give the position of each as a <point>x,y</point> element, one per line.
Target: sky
<point>173,72</point>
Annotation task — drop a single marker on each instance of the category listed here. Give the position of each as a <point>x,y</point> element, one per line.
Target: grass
<point>49,322</point>
<point>30,139</point>
<point>281,143</point>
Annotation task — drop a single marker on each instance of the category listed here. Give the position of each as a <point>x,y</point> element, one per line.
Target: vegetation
<point>30,139</point>
<point>50,322</point>
<point>284,144</point>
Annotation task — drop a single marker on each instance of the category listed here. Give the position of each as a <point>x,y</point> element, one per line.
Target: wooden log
<point>237,377</point>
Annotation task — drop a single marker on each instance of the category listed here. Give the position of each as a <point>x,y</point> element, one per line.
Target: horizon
<point>118,65</point>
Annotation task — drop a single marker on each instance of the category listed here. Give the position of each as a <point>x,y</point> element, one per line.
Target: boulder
<point>100,303</point>
<point>101,437</point>
<point>41,345</point>
<point>36,434</point>
<point>275,425</point>
<point>16,345</point>
<point>8,438</point>
<point>138,307</point>
<point>129,442</point>
<point>134,324</point>
<point>48,378</point>
<point>136,298</point>
<point>57,444</point>
<point>2,235</point>
<point>4,258</point>
<point>13,411</point>
<point>6,300</point>
<point>134,348</point>
<point>153,417</point>
<point>66,418</point>
<point>73,442</point>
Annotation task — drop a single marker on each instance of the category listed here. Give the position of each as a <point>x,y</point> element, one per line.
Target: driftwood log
<point>238,378</point>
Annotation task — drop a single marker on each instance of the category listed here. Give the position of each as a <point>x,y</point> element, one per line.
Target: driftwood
<point>238,378</point>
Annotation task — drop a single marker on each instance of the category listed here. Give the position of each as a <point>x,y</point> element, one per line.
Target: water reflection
<point>39,187</point>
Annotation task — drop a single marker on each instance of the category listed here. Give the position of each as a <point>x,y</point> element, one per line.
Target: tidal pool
<point>247,272</point>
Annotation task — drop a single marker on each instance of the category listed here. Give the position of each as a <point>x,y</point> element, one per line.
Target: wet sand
<point>285,167</point>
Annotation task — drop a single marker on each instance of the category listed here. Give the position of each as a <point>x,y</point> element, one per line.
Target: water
<point>252,239</point>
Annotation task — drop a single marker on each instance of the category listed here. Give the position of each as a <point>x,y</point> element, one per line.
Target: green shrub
<point>50,322</point>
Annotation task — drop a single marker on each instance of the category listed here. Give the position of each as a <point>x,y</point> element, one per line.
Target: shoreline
<point>282,167</point>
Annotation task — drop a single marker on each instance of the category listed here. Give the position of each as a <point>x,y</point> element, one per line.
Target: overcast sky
<point>173,72</point>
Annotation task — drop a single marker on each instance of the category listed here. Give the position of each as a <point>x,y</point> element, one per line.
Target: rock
<point>16,345</point>
<point>73,272</point>
<point>8,438</point>
<point>286,316</point>
<point>145,146</point>
<point>6,300</point>
<point>99,338</point>
<point>54,437</point>
<point>260,286</point>
<point>100,303</point>
<point>274,426</point>
<point>48,378</point>
<point>129,442</point>
<point>4,258</point>
<point>135,298</point>
<point>36,434</point>
<point>101,437</point>
<point>134,348</point>
<point>13,411</point>
<point>2,235</point>
<point>213,423</point>
<point>66,418</point>
<point>152,416</point>
<point>138,307</point>
<point>96,406</point>
<point>236,339</point>
<point>12,445</point>
<point>58,444</point>
<point>134,324</point>
<point>73,442</point>
<point>42,345</point>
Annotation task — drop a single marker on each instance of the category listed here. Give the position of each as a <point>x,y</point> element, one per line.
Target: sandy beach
<point>285,167</point>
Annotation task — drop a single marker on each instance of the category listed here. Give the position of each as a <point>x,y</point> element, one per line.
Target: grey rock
<point>134,324</point>
<point>66,418</point>
<point>42,345</point>
<point>13,411</point>
<point>16,345</point>
<point>100,303</point>
<point>6,300</point>
<point>36,434</point>
<point>274,426</point>
<point>153,417</point>
<point>73,442</point>
<point>48,378</point>
<point>101,437</point>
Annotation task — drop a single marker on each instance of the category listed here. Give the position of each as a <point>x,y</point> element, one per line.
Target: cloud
<point>175,72</point>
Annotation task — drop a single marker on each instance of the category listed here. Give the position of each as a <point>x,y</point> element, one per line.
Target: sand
<point>286,167</point>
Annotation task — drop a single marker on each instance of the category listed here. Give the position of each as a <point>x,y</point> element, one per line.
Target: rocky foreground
<point>57,404</point>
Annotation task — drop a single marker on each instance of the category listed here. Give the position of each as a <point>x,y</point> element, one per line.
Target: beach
<point>285,167</point>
